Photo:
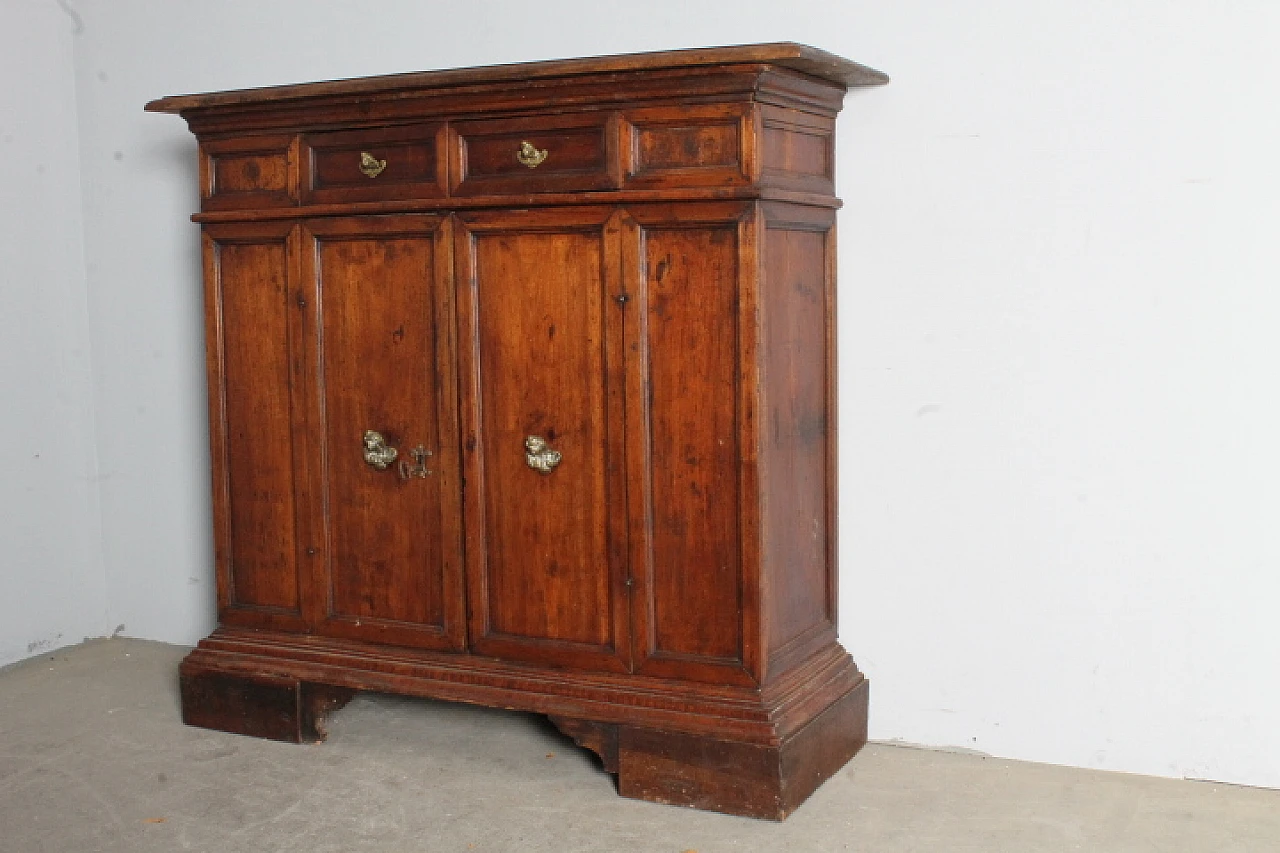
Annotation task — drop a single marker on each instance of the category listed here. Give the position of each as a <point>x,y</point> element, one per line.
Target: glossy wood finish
<point>834,70</point>
<point>541,356</point>
<point>710,151</point>
<point>797,149</point>
<point>798,436</point>
<point>391,548</point>
<point>600,738</point>
<point>735,777</point>
<point>261,706</point>
<point>691,553</point>
<point>744,751</point>
<point>689,146</point>
<point>412,161</point>
<point>248,173</point>
<point>580,154</point>
<point>765,714</point>
<point>250,334</point>
<point>654,300</point>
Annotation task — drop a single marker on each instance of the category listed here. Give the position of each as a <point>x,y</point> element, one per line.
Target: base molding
<point>753,751</point>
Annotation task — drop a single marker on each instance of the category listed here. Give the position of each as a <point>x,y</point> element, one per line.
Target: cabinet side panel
<point>795,436</point>
<point>257,416</point>
<point>693,350</point>
<point>379,349</point>
<point>797,150</point>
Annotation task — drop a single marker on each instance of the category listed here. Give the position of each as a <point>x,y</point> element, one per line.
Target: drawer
<point>687,146</point>
<point>534,155</point>
<point>373,164</point>
<point>247,172</point>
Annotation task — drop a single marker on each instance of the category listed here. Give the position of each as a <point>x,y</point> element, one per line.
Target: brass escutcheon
<point>419,467</point>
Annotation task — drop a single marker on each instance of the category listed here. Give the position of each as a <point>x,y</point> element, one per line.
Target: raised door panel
<point>540,359</point>
<point>691,440</point>
<point>390,560</point>
<point>252,335</point>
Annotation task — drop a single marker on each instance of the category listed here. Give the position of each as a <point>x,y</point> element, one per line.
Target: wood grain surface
<point>609,379</point>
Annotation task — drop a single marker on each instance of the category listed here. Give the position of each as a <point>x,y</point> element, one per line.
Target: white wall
<point>52,588</point>
<point>1060,456</point>
<point>1058,427</point>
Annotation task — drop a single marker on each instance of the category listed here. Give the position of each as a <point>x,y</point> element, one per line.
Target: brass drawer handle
<point>376,451</point>
<point>370,165</point>
<point>539,456</point>
<point>530,156</point>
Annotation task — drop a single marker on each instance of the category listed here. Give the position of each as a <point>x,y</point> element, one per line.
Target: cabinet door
<point>691,439</point>
<point>253,331</point>
<point>540,360</point>
<point>389,559</point>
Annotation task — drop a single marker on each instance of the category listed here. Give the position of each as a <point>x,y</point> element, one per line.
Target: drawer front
<point>533,155</point>
<point>248,172</point>
<point>687,146</point>
<point>373,164</point>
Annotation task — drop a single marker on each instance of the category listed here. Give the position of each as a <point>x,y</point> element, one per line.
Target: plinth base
<point>752,752</point>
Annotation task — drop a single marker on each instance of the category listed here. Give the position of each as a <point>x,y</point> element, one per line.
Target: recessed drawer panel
<point>373,164</point>
<point>797,150</point>
<point>687,146</point>
<point>249,171</point>
<point>530,155</point>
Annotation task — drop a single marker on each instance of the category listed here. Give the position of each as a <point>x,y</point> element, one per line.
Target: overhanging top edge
<point>798,57</point>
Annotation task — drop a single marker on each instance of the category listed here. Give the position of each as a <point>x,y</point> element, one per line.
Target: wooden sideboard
<point>521,393</point>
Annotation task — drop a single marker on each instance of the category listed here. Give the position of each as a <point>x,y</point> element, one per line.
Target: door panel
<point>392,548</point>
<point>541,358</point>
<point>250,337</point>
<point>686,440</point>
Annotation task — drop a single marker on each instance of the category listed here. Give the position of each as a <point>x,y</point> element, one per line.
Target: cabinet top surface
<point>798,57</point>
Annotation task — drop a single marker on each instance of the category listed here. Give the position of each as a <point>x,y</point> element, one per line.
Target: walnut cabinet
<point>521,393</point>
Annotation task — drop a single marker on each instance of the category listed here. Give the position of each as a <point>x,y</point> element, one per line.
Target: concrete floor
<point>93,757</point>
